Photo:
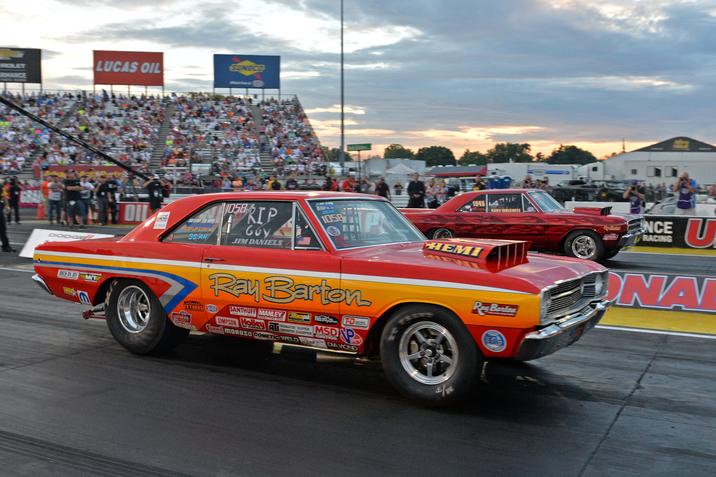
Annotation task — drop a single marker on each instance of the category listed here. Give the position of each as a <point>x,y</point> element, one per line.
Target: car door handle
<point>213,259</point>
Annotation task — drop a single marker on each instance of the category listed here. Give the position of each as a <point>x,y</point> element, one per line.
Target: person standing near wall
<point>416,193</point>
<point>54,199</point>
<point>685,188</point>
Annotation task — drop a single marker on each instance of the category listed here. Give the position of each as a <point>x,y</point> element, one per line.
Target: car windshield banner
<point>20,65</point>
<point>247,71</point>
<point>137,68</point>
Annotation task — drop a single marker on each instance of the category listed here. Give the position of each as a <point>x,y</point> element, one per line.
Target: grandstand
<point>232,136</point>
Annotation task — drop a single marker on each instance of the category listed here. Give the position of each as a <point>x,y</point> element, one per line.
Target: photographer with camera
<point>635,195</point>
<point>686,190</point>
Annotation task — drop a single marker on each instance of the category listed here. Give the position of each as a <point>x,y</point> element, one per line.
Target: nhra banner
<point>247,71</point>
<point>679,231</point>
<point>133,212</point>
<point>20,65</point>
<point>663,292</point>
<point>139,68</point>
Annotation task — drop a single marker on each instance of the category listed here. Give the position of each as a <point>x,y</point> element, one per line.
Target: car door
<point>470,219</point>
<point>270,276</point>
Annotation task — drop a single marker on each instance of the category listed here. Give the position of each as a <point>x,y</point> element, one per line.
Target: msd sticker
<point>494,341</point>
<point>160,223</point>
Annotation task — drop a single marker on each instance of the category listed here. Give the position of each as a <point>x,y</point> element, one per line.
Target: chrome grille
<point>573,294</point>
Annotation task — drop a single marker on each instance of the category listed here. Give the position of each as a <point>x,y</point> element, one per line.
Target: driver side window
<point>476,204</point>
<point>504,203</point>
<point>258,224</point>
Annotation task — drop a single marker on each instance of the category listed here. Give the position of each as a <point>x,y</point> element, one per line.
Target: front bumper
<point>628,240</point>
<point>557,336</point>
<point>41,283</point>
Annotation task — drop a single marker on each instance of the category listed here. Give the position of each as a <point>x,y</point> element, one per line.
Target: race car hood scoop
<point>496,254</point>
<point>592,210</point>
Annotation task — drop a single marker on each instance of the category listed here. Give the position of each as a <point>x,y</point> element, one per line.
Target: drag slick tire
<point>441,233</point>
<point>137,320</point>
<point>428,355</point>
<point>584,244</point>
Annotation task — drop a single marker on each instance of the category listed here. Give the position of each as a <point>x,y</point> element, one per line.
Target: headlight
<point>545,303</point>
<point>598,285</point>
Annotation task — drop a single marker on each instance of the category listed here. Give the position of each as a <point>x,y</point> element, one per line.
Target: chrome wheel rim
<point>428,353</point>
<point>133,309</point>
<point>442,234</point>
<point>584,246</point>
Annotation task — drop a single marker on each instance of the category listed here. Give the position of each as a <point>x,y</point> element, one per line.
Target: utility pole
<point>341,153</point>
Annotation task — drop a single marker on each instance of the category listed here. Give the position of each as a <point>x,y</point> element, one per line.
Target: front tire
<point>428,355</point>
<point>137,321</point>
<point>441,233</point>
<point>584,244</point>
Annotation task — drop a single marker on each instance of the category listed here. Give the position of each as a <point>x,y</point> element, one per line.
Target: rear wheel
<point>584,244</point>
<point>137,321</point>
<point>441,233</point>
<point>428,355</point>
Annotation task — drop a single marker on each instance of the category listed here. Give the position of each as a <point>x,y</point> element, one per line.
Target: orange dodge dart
<point>332,271</point>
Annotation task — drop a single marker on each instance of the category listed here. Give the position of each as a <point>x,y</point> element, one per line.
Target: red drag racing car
<point>533,215</point>
<point>332,271</point>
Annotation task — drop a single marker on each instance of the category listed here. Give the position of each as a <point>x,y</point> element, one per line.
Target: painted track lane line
<point>17,270</point>
<point>655,332</point>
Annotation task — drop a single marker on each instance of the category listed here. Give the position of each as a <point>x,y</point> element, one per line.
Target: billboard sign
<point>247,71</point>
<point>140,68</point>
<point>20,65</point>
<point>679,231</point>
<point>359,147</point>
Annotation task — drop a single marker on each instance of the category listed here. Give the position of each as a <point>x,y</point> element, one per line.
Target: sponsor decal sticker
<point>252,324</point>
<point>496,309</point>
<point>313,342</point>
<point>325,319</point>
<point>212,308</point>
<point>360,322</point>
<point>68,291</point>
<point>326,332</point>
<point>90,277</point>
<point>181,319</point>
<point>68,274</point>
<point>298,317</point>
<point>262,335</point>
<point>218,330</point>
<point>240,333</point>
<point>611,236</point>
<point>242,311</point>
<point>290,328</point>
<point>350,337</point>
<point>83,297</point>
<point>453,248</point>
<point>226,321</point>
<point>161,221</point>
<point>193,306</point>
<point>342,347</point>
<point>333,231</point>
<point>275,315</point>
<point>494,341</point>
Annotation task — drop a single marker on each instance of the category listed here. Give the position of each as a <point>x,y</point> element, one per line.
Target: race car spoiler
<point>499,253</point>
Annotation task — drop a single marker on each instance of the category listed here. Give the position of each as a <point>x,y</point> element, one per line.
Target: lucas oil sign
<point>139,68</point>
<point>247,71</point>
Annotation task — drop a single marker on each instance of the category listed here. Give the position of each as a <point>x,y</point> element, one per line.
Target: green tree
<point>539,157</point>
<point>436,156</point>
<point>332,154</point>
<point>570,155</point>
<point>397,151</point>
<point>509,151</point>
<point>472,158</point>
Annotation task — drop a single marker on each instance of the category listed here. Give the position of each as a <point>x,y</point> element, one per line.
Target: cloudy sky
<point>460,73</point>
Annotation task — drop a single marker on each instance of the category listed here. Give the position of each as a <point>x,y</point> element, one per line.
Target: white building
<point>661,162</point>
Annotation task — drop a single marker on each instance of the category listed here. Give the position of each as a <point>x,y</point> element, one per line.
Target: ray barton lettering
<point>278,289</point>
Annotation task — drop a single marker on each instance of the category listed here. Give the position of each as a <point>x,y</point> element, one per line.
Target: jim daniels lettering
<point>277,289</point>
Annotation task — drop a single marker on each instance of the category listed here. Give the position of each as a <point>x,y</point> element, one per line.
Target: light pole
<point>341,153</point>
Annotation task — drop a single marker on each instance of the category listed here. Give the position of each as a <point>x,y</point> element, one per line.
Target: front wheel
<point>441,234</point>
<point>137,321</point>
<point>584,244</point>
<point>428,355</point>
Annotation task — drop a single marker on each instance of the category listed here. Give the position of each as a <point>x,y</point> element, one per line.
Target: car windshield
<point>360,223</point>
<point>546,202</point>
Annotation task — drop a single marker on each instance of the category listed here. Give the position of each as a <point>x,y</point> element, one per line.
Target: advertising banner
<point>138,68</point>
<point>679,231</point>
<point>133,212</point>
<point>663,291</point>
<point>20,65</point>
<point>247,71</point>
<point>91,171</point>
<point>30,197</point>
